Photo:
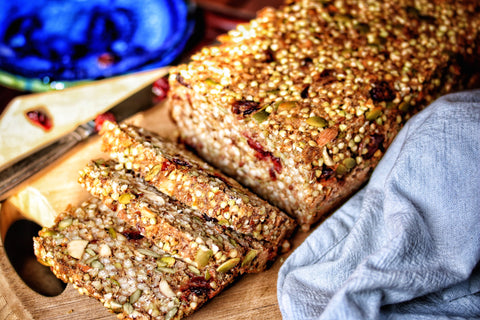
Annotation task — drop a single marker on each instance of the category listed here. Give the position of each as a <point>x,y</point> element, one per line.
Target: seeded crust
<point>301,103</point>
<point>125,271</point>
<point>178,173</point>
<point>178,230</point>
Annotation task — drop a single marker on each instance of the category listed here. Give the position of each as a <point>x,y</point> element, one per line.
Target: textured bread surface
<point>107,259</point>
<point>175,228</point>
<point>301,103</point>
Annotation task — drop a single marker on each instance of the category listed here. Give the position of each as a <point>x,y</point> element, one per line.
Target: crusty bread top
<point>327,81</point>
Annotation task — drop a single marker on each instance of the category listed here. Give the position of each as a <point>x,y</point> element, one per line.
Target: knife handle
<point>20,171</point>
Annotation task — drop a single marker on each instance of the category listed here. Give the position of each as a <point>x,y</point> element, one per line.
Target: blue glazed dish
<point>53,44</point>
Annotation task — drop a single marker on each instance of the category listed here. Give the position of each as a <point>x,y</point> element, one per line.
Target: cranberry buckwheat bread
<point>175,171</point>
<point>178,230</point>
<point>301,103</point>
<point>107,259</point>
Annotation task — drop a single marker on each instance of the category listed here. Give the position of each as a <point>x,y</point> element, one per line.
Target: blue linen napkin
<point>406,246</point>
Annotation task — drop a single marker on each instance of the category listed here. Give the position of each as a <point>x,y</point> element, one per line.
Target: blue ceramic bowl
<point>52,44</point>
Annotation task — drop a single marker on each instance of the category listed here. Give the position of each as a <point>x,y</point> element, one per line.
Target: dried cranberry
<point>182,81</point>
<point>106,59</point>
<point>132,234</point>
<point>307,61</point>
<point>304,93</point>
<point>181,162</point>
<point>277,164</point>
<point>165,165</point>
<point>245,107</point>
<point>327,76</point>
<point>208,218</point>
<point>270,57</point>
<point>160,89</point>
<point>326,173</point>
<point>101,118</point>
<point>272,174</point>
<point>326,73</point>
<point>382,92</point>
<point>262,154</point>
<point>198,286</point>
<point>40,118</point>
<point>376,143</point>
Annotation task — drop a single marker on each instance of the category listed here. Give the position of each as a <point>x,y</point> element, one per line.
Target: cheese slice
<point>67,108</point>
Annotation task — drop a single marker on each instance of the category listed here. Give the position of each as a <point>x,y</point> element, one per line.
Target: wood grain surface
<point>252,297</point>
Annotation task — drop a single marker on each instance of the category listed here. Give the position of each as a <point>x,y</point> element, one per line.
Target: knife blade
<point>25,168</point>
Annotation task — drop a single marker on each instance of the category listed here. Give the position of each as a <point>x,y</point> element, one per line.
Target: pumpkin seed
<point>99,162</point>
<point>153,172</point>
<point>349,163</point>
<point>135,296</point>
<point>115,282</point>
<point>91,259</point>
<point>211,82</point>
<point>128,308</point>
<point>169,261</point>
<point>149,253</point>
<point>202,257</point>
<point>223,222</point>
<point>112,233</point>
<point>126,198</point>
<point>48,233</point>
<point>165,270</point>
<point>194,270</point>
<point>404,106</point>
<point>260,116</point>
<point>249,257</point>
<point>286,106</point>
<point>318,122</point>
<point>97,264</point>
<point>373,114</point>
<point>341,170</point>
<point>115,306</point>
<point>49,262</point>
<point>65,223</point>
<point>228,265</point>
<point>171,313</point>
<point>90,251</point>
<point>207,275</point>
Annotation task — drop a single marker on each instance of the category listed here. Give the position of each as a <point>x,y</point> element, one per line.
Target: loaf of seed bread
<point>301,103</point>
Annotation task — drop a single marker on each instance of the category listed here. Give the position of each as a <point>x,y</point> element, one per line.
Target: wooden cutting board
<point>251,297</point>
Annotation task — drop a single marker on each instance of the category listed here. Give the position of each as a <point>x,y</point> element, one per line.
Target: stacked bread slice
<point>163,233</point>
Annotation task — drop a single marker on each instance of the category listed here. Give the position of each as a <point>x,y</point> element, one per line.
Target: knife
<point>23,169</point>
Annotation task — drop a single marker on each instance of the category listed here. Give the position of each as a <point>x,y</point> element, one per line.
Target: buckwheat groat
<point>180,174</point>
<point>110,261</point>
<point>181,231</point>
<point>301,103</point>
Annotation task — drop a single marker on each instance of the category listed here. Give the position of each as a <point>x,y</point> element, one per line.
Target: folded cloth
<point>406,246</point>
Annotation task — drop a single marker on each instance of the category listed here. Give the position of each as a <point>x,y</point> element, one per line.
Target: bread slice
<point>175,171</point>
<point>301,103</point>
<point>107,259</point>
<point>175,228</point>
